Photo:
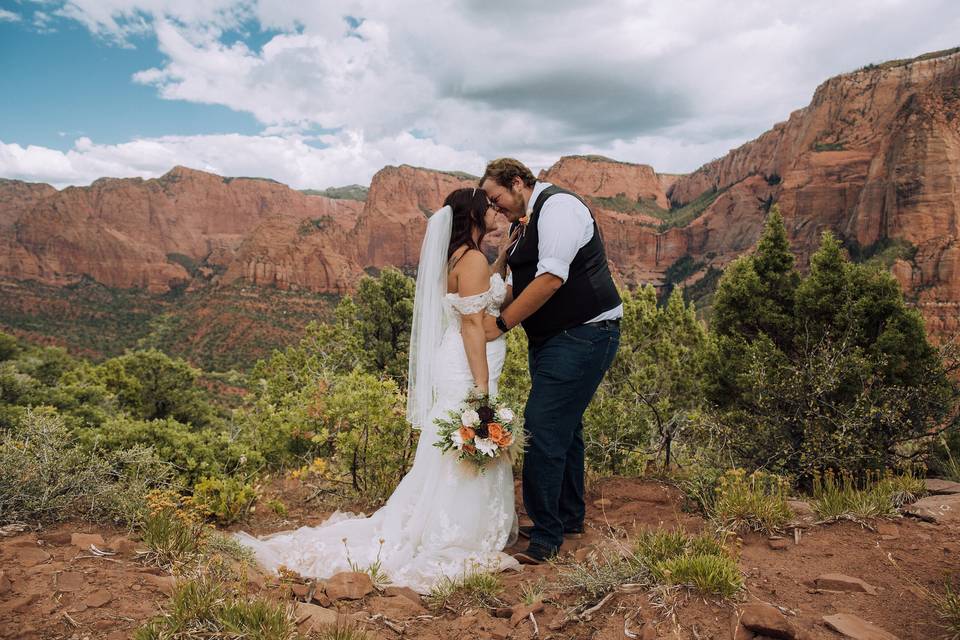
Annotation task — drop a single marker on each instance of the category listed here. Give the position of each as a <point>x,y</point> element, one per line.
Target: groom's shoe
<point>571,534</point>
<point>535,554</point>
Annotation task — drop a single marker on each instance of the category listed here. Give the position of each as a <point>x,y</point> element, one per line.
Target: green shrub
<point>654,386</point>
<point>193,453</point>
<point>699,562</point>
<point>47,477</point>
<point>652,548</point>
<point>284,433</point>
<point>374,443</point>
<point>151,385</point>
<point>948,610</point>
<point>173,537</point>
<point>659,557</point>
<point>227,499</point>
<point>8,346</point>
<point>946,456</point>
<point>278,507</point>
<point>833,371</point>
<point>600,573</point>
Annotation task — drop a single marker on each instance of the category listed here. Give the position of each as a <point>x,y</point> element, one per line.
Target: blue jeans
<point>565,372</point>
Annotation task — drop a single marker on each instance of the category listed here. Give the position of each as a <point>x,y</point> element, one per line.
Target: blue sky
<point>69,83</point>
<point>328,92</point>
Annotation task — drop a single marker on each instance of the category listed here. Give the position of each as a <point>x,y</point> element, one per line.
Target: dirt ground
<point>52,585</point>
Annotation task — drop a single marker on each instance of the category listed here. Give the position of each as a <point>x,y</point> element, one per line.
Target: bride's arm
<point>500,264</point>
<point>473,278</point>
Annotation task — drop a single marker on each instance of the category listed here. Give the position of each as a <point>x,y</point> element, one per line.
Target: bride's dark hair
<point>469,209</point>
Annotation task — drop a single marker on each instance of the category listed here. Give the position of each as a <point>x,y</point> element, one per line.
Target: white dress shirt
<point>564,226</point>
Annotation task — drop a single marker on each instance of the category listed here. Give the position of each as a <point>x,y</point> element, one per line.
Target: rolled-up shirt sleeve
<point>561,229</point>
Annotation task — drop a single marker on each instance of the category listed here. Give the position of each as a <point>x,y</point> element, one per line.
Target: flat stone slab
<point>840,582</point>
<point>939,486</point>
<point>851,626</point>
<point>802,510</point>
<point>941,509</point>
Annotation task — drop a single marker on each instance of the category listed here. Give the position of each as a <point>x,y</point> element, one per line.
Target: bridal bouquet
<point>481,430</point>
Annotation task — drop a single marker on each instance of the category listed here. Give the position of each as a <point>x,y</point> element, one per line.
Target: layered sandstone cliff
<point>394,218</point>
<point>155,234</point>
<point>875,157</point>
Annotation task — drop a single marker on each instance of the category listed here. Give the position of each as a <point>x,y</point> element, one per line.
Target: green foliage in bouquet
<point>482,429</point>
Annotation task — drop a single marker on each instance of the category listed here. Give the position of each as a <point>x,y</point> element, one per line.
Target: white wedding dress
<point>445,518</point>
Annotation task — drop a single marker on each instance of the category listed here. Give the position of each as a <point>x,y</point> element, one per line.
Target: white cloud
<point>348,158</point>
<point>673,84</point>
<point>9,16</point>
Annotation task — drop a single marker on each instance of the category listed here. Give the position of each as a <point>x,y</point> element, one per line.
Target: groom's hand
<point>490,328</point>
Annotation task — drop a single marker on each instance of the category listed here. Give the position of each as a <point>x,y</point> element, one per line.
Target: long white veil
<point>429,321</point>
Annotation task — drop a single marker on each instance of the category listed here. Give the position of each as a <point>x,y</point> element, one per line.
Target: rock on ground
<point>938,509</point>
<point>853,627</point>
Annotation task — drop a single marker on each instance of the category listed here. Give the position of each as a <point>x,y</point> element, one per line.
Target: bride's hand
<point>509,239</point>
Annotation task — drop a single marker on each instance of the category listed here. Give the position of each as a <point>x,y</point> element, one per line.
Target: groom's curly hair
<point>503,171</point>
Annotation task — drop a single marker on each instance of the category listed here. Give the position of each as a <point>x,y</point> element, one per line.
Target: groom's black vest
<point>588,291</point>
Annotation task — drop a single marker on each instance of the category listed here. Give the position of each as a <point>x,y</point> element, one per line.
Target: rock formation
<point>875,157</point>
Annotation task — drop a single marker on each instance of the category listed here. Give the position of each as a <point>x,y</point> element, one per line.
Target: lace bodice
<point>490,301</point>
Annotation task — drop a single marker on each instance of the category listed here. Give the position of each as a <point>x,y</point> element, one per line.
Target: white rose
<point>457,439</point>
<point>469,418</point>
<point>486,446</point>
<point>505,414</point>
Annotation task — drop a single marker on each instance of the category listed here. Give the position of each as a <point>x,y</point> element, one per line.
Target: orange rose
<point>495,431</point>
<point>467,433</point>
<point>506,441</point>
<point>469,448</point>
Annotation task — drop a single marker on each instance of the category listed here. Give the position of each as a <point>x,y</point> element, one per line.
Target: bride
<point>445,518</point>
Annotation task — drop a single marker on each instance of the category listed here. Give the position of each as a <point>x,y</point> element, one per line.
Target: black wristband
<point>502,325</point>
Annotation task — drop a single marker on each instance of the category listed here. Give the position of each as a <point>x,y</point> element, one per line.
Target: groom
<point>564,296</point>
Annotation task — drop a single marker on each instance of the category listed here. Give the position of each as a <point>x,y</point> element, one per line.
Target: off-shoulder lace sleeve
<point>470,304</point>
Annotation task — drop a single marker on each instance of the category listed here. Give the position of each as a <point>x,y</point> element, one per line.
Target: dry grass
<point>948,608</point>
<point>660,558</point>
<point>878,496</point>
<point>204,608</point>
<point>755,502</point>
<point>473,589</point>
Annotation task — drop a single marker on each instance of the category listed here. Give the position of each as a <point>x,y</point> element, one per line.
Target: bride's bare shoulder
<point>473,273</point>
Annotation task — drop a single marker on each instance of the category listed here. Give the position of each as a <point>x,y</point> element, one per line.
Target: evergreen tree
<point>834,371</point>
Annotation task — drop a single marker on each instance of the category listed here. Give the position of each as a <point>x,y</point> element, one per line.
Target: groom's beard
<point>520,203</point>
